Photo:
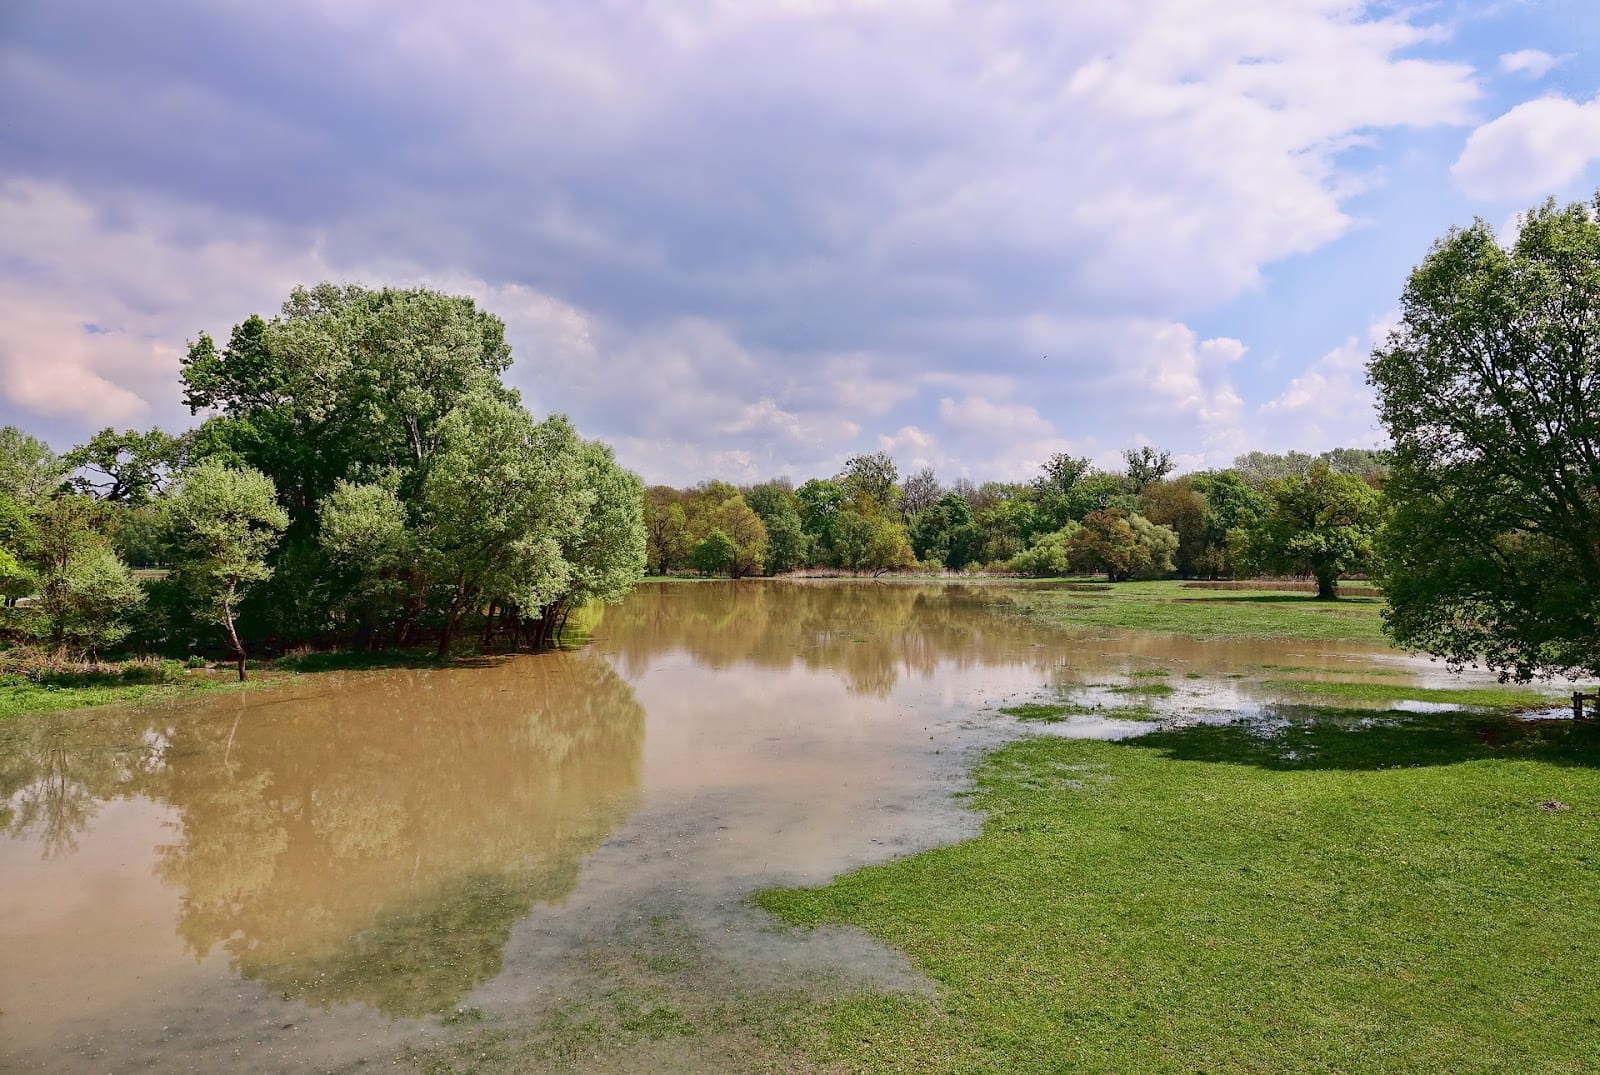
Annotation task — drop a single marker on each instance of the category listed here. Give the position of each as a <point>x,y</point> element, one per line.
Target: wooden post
<point>1577,705</point>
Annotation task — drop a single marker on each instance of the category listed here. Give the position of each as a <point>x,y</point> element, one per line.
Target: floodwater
<point>333,872</point>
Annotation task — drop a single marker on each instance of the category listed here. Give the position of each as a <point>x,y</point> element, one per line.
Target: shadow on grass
<point>1357,740</point>
<point>1234,597</point>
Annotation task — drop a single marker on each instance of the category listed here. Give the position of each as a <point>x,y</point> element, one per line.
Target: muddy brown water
<point>331,872</point>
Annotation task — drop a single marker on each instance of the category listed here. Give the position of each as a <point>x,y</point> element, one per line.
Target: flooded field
<point>332,873</point>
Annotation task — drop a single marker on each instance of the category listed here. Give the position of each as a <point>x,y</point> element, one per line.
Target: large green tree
<point>501,495</point>
<point>1490,390</point>
<point>1323,524</point>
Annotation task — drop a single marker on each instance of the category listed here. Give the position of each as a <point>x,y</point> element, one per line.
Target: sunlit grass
<point>1167,607</point>
<point>1411,896</point>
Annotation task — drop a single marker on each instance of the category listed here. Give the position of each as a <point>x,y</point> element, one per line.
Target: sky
<point>739,240</point>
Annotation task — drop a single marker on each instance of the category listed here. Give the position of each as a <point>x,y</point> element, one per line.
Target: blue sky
<point>741,240</point>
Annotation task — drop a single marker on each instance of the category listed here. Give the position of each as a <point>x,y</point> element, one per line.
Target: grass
<point>1056,712</point>
<point>1509,698</point>
<point>1342,896</point>
<point>19,698</point>
<point>47,693</point>
<point>1167,607</point>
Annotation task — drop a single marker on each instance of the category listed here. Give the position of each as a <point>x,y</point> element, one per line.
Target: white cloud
<point>705,252</point>
<point>976,415</point>
<point>1330,404</point>
<point>1530,152</point>
<point>1530,62</point>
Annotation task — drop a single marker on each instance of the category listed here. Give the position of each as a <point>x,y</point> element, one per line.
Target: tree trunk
<point>233,635</point>
<point>1327,586</point>
<point>488,627</point>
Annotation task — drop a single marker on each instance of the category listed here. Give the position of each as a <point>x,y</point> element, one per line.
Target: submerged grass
<point>1167,607</point>
<point>19,698</point>
<point>1405,895</point>
<point>1055,712</point>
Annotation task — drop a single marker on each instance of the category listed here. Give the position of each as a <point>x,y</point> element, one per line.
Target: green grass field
<point>1344,896</point>
<point>1165,606</point>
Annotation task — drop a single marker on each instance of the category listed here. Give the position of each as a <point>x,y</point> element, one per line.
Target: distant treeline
<point>362,476</point>
<point>1296,513</point>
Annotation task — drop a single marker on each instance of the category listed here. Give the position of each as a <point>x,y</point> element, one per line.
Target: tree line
<point>362,476</point>
<point>1293,513</point>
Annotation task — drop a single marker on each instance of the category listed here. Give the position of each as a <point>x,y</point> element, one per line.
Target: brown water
<point>332,872</point>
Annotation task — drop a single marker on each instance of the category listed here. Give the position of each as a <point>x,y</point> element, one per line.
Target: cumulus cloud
<point>1530,62</point>
<point>1534,150</point>
<point>707,250</point>
<point>1329,404</point>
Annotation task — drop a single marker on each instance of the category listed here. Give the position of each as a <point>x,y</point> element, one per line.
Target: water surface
<point>327,873</point>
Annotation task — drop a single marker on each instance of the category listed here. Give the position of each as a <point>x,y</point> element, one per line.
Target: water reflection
<point>871,634</point>
<point>375,841</point>
<point>875,634</point>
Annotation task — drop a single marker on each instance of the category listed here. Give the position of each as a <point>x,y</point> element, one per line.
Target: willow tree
<point>501,493</point>
<point>1490,390</point>
<point>344,384</point>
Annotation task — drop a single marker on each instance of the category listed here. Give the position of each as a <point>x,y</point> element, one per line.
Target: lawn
<point>1415,895</point>
<point>1168,607</point>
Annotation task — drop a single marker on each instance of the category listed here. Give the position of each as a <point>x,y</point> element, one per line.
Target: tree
<point>869,482</point>
<point>778,507</point>
<point>1233,507</point>
<point>18,535</point>
<point>124,468</point>
<point>225,523</point>
<point>96,595</point>
<point>1489,388</point>
<point>1122,544</point>
<point>365,534</point>
<point>1051,554</point>
<point>1323,524</point>
<point>668,542</point>
<point>820,503</point>
<point>344,384</point>
<point>29,470</point>
<point>872,543</point>
<point>1146,465</point>
<point>1179,504</point>
<point>1258,468</point>
<point>501,494</point>
<point>713,554</point>
<point>746,534</point>
<point>605,549</point>
<point>920,492</point>
<point>85,592</point>
<point>943,532</point>
<point>15,580</point>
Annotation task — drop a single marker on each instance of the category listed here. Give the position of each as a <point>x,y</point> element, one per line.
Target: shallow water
<point>327,873</point>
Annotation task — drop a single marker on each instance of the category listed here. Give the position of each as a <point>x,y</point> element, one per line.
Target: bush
<point>26,666</point>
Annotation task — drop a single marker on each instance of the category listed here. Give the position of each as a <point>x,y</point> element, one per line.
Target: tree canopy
<point>1488,388</point>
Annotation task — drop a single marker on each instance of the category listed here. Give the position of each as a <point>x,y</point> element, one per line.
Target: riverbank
<point>41,687</point>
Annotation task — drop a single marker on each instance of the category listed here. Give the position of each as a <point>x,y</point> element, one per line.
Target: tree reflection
<point>871,634</point>
<point>374,842</point>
